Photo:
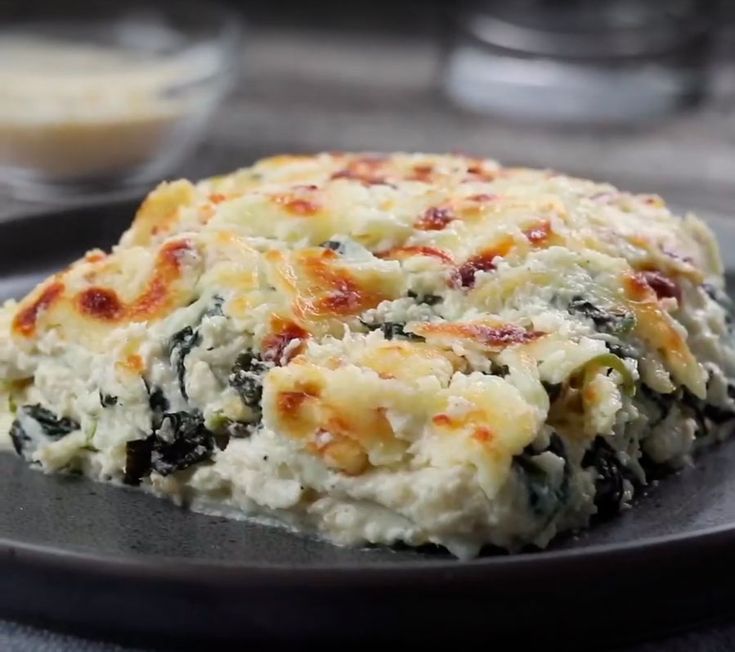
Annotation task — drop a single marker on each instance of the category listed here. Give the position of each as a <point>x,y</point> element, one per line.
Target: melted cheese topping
<point>411,313</point>
<point>254,237</point>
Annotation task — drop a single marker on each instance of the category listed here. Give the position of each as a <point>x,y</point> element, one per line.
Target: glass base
<point>537,89</point>
<point>62,193</point>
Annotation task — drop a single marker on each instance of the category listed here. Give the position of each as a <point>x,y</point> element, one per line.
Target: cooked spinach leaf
<point>18,436</point>
<point>719,296</point>
<point>704,412</point>
<point>240,429</point>
<point>616,322</point>
<point>622,350</point>
<point>215,310</point>
<point>158,404</point>
<point>661,403</point>
<point>179,347</point>
<point>611,475</point>
<point>392,329</point>
<point>552,390</point>
<point>107,400</point>
<point>180,441</point>
<point>496,369</point>
<point>544,497</point>
<point>137,460</point>
<point>51,426</point>
<point>335,245</point>
<point>246,378</point>
<point>225,428</point>
<point>428,299</point>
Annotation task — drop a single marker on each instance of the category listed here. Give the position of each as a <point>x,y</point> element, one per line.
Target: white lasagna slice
<point>404,348</point>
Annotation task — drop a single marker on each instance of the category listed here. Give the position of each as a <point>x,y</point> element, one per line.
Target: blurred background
<point>102,98</point>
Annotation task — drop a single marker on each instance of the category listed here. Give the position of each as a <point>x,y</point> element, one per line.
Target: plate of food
<point>328,393</point>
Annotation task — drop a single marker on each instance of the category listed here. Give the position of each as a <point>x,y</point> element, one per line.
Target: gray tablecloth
<point>15,637</point>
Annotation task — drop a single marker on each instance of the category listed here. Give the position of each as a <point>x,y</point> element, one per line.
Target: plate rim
<point>166,567</point>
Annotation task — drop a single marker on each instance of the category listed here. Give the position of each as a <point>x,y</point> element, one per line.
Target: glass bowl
<point>98,97</point>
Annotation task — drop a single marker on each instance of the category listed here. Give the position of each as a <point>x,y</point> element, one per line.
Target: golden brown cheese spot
<point>538,234</point>
<point>25,319</point>
<point>133,362</point>
<point>653,200</point>
<point>340,452</point>
<point>301,207</point>
<point>217,197</point>
<point>290,402</point>
<point>94,256</point>
<point>206,213</point>
<point>475,207</point>
<point>442,420</point>
<point>464,275</point>
<point>423,172</point>
<point>316,407</point>
<point>367,169</point>
<point>473,420</point>
<point>410,360</point>
<point>100,303</point>
<point>283,333</point>
<point>435,219</point>
<point>330,289</point>
<point>300,202</point>
<point>94,309</point>
<point>590,393</point>
<point>341,440</point>
<point>158,296</point>
<point>298,408</point>
<point>331,434</point>
<point>493,337</point>
<point>159,212</point>
<point>482,197</point>
<point>477,171</point>
<point>657,329</point>
<point>483,434</point>
<point>401,253</point>
<point>662,285</point>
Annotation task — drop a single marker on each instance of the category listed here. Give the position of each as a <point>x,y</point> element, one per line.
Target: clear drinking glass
<point>608,61</point>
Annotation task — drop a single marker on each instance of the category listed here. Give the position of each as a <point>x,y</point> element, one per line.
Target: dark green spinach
<point>428,299</point>
<point>246,378</point>
<point>107,400</point>
<point>52,427</point>
<point>610,476</point>
<point>395,330</point>
<point>616,322</point>
<point>180,441</point>
<point>544,498</point>
<point>337,246</point>
<point>179,346</point>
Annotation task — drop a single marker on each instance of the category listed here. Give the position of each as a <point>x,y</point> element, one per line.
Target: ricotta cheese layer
<point>409,348</point>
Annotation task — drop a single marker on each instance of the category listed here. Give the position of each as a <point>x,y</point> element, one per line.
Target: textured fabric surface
<point>15,637</point>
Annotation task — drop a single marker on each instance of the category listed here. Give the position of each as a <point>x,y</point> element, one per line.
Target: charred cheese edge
<point>380,348</point>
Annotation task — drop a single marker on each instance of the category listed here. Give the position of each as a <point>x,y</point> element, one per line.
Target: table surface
<point>305,90</point>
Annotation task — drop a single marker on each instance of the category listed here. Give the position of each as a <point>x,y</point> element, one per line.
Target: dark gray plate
<point>107,560</point>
